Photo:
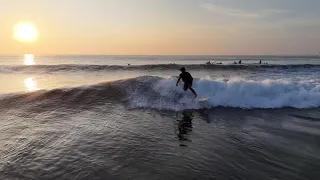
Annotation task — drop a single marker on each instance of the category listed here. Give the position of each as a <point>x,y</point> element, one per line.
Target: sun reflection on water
<point>30,84</point>
<point>29,59</point>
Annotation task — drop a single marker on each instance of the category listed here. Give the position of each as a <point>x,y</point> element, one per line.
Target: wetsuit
<point>187,79</point>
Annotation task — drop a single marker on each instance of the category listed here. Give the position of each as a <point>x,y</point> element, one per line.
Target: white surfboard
<point>204,99</point>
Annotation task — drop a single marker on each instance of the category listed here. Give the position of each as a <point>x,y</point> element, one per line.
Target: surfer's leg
<point>193,91</point>
<point>185,87</point>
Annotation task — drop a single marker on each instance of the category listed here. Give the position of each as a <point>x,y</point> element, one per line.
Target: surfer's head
<point>182,69</point>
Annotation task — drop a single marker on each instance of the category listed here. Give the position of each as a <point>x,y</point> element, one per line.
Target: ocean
<point>123,117</point>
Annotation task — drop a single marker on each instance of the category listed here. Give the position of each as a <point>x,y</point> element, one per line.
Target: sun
<point>25,32</point>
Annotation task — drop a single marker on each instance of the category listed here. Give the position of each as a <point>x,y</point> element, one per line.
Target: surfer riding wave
<point>187,79</point>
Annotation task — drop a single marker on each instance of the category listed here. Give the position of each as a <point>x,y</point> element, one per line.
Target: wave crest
<point>236,92</point>
<point>158,93</point>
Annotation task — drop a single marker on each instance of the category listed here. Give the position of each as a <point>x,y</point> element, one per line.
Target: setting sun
<point>25,32</point>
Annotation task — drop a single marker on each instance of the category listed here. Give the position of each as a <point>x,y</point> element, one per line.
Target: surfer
<point>187,79</point>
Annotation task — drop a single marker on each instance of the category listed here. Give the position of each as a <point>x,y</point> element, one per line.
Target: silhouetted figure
<point>260,61</point>
<point>187,79</point>
<point>239,62</point>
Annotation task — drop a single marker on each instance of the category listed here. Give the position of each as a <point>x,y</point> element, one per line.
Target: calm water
<point>95,117</point>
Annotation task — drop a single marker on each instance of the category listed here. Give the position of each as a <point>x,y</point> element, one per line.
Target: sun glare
<point>29,59</point>
<point>31,84</point>
<point>25,32</point>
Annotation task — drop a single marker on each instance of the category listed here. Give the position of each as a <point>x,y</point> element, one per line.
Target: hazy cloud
<point>239,12</point>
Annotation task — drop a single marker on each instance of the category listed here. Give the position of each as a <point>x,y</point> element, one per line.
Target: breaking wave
<point>159,93</point>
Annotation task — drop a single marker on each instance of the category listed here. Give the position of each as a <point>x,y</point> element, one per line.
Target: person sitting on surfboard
<point>187,79</point>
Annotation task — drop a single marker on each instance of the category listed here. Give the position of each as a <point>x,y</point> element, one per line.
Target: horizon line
<point>74,54</point>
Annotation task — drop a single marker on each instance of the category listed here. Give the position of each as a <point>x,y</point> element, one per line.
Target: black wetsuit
<point>187,79</point>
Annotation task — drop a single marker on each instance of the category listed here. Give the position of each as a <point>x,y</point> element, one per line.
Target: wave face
<point>158,93</point>
<point>93,68</point>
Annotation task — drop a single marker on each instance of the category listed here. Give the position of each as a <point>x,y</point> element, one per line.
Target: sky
<point>163,27</point>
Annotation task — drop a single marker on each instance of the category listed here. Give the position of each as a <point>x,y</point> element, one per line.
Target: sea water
<point>123,117</point>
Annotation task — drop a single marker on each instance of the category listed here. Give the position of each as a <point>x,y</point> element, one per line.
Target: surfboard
<point>204,99</point>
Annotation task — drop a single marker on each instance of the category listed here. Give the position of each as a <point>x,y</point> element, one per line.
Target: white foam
<point>235,92</point>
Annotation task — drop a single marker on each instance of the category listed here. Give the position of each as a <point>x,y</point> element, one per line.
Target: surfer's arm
<point>178,81</point>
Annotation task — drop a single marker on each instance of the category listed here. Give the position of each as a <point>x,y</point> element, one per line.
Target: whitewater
<point>235,92</point>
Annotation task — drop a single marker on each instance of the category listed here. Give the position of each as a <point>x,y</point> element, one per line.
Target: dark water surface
<point>113,142</point>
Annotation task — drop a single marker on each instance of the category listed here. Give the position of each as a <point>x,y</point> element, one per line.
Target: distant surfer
<point>187,79</point>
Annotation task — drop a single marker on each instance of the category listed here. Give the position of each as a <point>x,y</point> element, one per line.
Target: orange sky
<point>160,27</point>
